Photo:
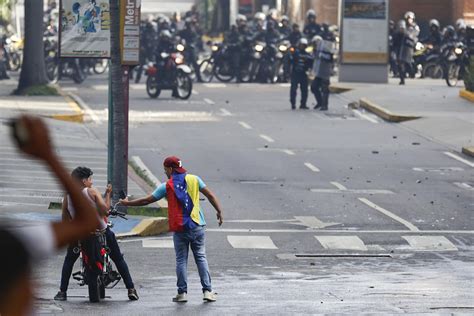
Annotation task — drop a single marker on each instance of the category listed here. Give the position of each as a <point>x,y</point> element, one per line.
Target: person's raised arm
<point>32,138</point>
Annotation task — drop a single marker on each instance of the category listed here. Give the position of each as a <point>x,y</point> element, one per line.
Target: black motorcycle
<point>455,64</point>
<point>266,63</point>
<point>170,73</point>
<point>96,266</point>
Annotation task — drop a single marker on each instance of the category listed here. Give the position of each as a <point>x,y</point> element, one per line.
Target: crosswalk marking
<point>157,243</point>
<point>430,243</point>
<point>342,242</point>
<point>251,242</point>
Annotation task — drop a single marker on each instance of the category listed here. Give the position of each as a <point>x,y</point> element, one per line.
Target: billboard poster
<point>130,31</point>
<point>365,31</point>
<point>84,28</point>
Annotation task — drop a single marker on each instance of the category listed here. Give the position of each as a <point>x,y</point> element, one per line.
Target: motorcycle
<point>207,66</point>
<point>267,63</point>
<point>12,52</point>
<point>96,266</point>
<point>456,61</point>
<point>169,74</point>
<point>283,68</point>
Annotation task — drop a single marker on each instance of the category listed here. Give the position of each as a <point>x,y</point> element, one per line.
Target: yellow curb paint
<point>468,150</point>
<point>338,89</point>
<point>468,95</point>
<point>77,117</point>
<point>384,113</point>
<point>151,227</point>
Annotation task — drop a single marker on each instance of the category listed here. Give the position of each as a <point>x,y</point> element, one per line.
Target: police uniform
<point>322,67</point>
<point>300,61</point>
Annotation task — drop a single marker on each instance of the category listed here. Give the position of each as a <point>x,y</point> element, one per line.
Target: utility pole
<point>125,47</point>
<point>119,112</point>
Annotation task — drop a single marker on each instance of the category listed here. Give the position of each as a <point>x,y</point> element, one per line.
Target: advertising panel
<point>130,31</point>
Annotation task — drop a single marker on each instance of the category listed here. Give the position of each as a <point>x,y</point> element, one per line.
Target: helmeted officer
<point>406,38</point>
<point>322,67</point>
<point>311,28</point>
<point>295,35</point>
<point>461,31</point>
<point>435,37</point>
<point>190,37</point>
<point>300,61</point>
<point>284,26</point>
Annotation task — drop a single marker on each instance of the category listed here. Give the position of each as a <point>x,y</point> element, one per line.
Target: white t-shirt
<point>72,210</point>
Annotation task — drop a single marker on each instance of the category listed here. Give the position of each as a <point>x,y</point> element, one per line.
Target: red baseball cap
<point>175,163</point>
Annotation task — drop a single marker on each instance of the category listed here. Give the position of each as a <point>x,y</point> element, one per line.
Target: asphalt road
<point>335,212</point>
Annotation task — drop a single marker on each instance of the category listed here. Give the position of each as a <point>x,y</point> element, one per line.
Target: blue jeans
<point>195,238</point>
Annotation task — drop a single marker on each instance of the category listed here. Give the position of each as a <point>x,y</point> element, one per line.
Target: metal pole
<point>120,107</point>
<point>110,147</point>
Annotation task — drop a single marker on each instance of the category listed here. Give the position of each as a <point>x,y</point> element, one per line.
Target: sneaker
<point>209,296</point>
<point>61,296</point>
<point>180,298</point>
<point>132,295</point>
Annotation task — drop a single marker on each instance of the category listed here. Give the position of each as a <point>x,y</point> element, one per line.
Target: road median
<point>468,150</point>
<point>77,114</point>
<point>468,95</point>
<point>385,114</point>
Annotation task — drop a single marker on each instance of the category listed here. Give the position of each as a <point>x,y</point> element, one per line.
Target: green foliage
<point>6,11</point>
<point>469,76</point>
<point>40,90</point>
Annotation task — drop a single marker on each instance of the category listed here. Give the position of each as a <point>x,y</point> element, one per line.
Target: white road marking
<point>463,185</point>
<point>225,112</point>
<point>69,89</point>
<point>339,231</point>
<point>443,169</point>
<point>214,85</point>
<point>467,162</point>
<point>350,191</point>
<point>245,125</point>
<point>195,92</point>
<point>285,85</point>
<point>289,152</point>
<point>3,203</point>
<point>312,222</point>
<point>31,196</point>
<point>406,223</point>
<point>342,242</point>
<point>339,186</point>
<point>430,243</point>
<point>261,220</point>
<point>251,242</point>
<point>267,138</point>
<point>100,87</point>
<point>311,167</point>
<point>157,243</point>
<point>88,111</point>
<point>209,101</point>
<point>365,116</point>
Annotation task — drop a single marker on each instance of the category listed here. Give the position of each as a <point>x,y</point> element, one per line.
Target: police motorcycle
<point>186,51</point>
<point>455,64</point>
<point>267,61</point>
<point>171,73</point>
<point>207,66</point>
<point>96,269</point>
<point>283,69</point>
<point>11,47</point>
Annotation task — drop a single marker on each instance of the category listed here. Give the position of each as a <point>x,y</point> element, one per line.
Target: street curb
<point>77,117</point>
<point>142,171</point>
<point>147,227</point>
<point>468,95</point>
<point>468,150</point>
<point>384,113</point>
<point>339,89</point>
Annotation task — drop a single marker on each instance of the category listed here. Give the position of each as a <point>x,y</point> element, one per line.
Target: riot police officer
<point>165,45</point>
<point>434,38</point>
<point>295,35</point>
<point>284,26</point>
<point>322,67</point>
<point>190,37</point>
<point>461,30</point>
<point>406,38</point>
<point>311,28</point>
<point>300,61</point>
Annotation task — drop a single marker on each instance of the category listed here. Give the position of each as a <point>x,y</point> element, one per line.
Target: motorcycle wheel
<point>52,71</point>
<point>432,70</point>
<point>274,72</point>
<point>452,76</point>
<point>93,284</point>
<point>184,85</point>
<point>207,70</point>
<point>100,66</point>
<point>246,72</point>
<point>223,72</point>
<point>15,62</point>
<point>152,87</point>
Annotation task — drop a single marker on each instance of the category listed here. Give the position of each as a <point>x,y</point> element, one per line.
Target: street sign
<point>130,31</point>
<point>84,28</point>
<point>364,31</point>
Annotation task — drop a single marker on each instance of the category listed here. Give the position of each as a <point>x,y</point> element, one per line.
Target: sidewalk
<point>59,107</point>
<point>444,116</point>
<point>26,185</point>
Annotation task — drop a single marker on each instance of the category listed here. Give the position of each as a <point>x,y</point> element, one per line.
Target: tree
<point>33,71</point>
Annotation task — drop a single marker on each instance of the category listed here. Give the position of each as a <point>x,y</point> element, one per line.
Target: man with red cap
<point>186,220</point>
